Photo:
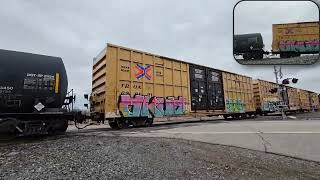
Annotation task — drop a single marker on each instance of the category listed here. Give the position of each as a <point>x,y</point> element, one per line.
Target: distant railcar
<point>314,100</point>
<point>294,39</point>
<point>288,40</point>
<point>266,101</point>
<point>250,46</point>
<point>304,100</point>
<point>292,99</point>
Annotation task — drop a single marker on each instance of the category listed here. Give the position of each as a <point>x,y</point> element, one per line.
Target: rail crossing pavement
<point>297,138</point>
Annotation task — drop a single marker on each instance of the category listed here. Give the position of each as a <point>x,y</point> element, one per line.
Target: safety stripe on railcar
<point>56,88</point>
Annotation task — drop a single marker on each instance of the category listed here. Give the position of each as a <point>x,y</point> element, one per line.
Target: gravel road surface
<point>92,157</point>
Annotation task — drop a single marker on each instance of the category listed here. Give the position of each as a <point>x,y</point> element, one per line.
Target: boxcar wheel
<point>243,116</point>
<point>113,125</point>
<point>246,56</point>
<point>123,123</point>
<point>225,117</point>
<point>236,117</point>
<point>284,55</point>
<point>149,122</point>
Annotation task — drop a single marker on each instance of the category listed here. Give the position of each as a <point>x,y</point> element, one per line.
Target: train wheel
<point>148,122</point>
<point>58,130</point>
<point>259,55</point>
<point>63,128</point>
<point>295,54</point>
<point>244,116</point>
<point>113,125</point>
<point>236,117</point>
<point>51,132</point>
<point>123,123</point>
<point>138,122</point>
<point>246,56</point>
<point>289,54</point>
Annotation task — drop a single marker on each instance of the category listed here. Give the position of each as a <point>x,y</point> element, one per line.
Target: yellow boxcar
<point>314,100</point>
<point>132,83</point>
<point>265,100</point>
<point>304,100</point>
<point>129,85</point>
<point>293,101</point>
<point>238,93</point>
<point>298,38</point>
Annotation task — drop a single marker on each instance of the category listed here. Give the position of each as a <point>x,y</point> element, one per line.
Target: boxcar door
<point>198,86</point>
<point>215,90</point>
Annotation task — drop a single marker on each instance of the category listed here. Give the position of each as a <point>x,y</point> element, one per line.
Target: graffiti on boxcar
<point>146,106</point>
<point>271,106</point>
<point>235,106</point>
<point>299,46</point>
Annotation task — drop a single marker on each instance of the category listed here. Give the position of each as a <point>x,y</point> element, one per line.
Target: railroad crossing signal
<point>294,80</point>
<point>287,81</point>
<point>86,96</point>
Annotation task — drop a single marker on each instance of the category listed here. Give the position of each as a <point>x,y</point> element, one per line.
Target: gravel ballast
<point>92,157</point>
<point>302,60</point>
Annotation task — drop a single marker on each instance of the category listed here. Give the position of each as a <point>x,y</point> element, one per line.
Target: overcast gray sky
<point>258,16</point>
<point>195,31</point>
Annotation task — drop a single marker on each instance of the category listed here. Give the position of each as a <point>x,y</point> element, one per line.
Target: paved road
<point>297,138</point>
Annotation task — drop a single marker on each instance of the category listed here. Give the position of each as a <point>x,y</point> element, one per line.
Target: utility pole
<point>279,75</point>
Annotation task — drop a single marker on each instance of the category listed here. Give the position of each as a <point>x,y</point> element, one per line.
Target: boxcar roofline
<point>103,53</point>
<point>297,23</point>
<point>176,60</point>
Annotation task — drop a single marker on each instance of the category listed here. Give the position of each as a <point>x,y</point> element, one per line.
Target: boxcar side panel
<point>238,93</point>
<point>296,37</point>
<point>141,84</point>
<point>265,101</point>
<point>304,100</point>
<point>293,99</point>
<point>314,100</point>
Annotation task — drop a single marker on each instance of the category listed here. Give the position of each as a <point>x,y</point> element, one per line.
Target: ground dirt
<point>92,157</point>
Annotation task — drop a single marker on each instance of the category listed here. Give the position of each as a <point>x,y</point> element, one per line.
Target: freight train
<point>33,91</point>
<point>132,88</point>
<point>295,100</point>
<point>288,40</point>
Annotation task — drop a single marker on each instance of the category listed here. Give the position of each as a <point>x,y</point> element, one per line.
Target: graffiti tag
<point>299,46</point>
<point>271,106</point>
<point>235,106</point>
<point>145,106</point>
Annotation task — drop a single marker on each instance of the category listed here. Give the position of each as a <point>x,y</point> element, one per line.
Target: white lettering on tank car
<point>10,88</point>
<point>47,76</point>
<point>31,75</point>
